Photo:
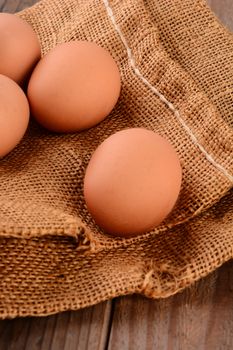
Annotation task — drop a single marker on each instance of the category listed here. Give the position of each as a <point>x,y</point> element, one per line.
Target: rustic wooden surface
<point>200,318</point>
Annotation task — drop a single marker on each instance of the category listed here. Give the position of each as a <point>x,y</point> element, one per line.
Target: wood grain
<point>2,3</point>
<point>84,329</point>
<point>12,6</point>
<point>199,318</point>
<point>224,11</point>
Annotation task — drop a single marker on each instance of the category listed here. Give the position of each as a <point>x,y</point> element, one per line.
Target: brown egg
<point>74,87</point>
<point>14,114</point>
<point>19,47</point>
<point>132,182</point>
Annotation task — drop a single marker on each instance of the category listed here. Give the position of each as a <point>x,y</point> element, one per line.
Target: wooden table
<point>200,318</point>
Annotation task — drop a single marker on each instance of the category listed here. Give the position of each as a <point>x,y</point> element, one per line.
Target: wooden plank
<point>14,329</point>
<point>26,3</point>
<point>2,3</point>
<point>219,334</point>
<point>224,11</point>
<point>42,332</point>
<point>83,329</point>
<point>94,326</point>
<point>11,6</point>
<point>199,318</point>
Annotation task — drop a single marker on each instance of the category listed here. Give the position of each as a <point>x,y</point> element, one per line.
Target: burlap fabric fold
<point>176,63</point>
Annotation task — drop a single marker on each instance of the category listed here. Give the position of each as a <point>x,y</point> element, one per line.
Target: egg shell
<point>19,47</point>
<point>74,87</point>
<point>132,182</point>
<point>14,114</point>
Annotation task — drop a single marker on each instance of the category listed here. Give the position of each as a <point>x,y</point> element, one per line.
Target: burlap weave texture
<point>53,256</point>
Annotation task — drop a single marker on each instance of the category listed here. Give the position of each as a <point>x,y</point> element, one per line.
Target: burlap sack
<point>176,63</point>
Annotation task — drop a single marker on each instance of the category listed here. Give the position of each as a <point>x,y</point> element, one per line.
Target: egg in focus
<point>132,182</point>
<point>14,115</point>
<point>74,87</point>
<point>19,47</point>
